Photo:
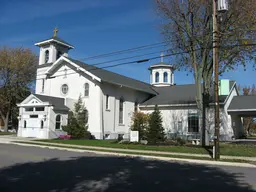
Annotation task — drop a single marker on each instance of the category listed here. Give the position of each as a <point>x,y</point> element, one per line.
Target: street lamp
<point>222,6</point>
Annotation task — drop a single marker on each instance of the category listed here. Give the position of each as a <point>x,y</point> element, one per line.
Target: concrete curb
<point>180,160</point>
<point>143,152</point>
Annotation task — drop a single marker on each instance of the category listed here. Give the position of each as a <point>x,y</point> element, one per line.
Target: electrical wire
<point>92,68</point>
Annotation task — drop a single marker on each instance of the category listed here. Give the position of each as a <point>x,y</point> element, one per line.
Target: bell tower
<point>51,49</point>
<point>161,74</point>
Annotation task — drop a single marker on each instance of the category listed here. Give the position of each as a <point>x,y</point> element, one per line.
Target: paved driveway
<point>25,169</point>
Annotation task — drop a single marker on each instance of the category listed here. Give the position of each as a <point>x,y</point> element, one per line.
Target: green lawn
<point>7,133</point>
<point>226,149</point>
<point>149,154</point>
<point>251,137</point>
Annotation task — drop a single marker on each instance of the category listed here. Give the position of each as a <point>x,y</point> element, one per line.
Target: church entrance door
<point>33,127</point>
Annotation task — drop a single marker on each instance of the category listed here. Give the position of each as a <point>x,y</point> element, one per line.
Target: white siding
<point>111,116</point>
<point>172,116</point>
<point>33,125</point>
<point>76,82</point>
<point>41,75</point>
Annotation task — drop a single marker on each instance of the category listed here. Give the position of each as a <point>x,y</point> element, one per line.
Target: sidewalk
<point>11,138</point>
<point>144,152</point>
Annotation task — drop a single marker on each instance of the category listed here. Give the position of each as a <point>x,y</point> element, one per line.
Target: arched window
<point>135,106</point>
<point>193,122</point>
<point>157,77</point>
<point>58,55</point>
<point>43,81</point>
<point>57,122</point>
<point>42,124</point>
<point>121,111</point>
<point>46,56</point>
<point>165,77</point>
<point>25,124</point>
<point>107,102</point>
<point>86,89</point>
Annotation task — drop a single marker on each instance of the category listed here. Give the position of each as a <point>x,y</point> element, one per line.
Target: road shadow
<point>98,174</point>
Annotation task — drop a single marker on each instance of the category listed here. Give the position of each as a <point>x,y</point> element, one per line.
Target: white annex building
<point>111,99</point>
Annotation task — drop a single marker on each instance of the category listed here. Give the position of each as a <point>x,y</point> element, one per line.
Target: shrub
<point>155,132</point>
<point>180,141</point>
<point>119,138</point>
<point>77,122</point>
<point>140,124</point>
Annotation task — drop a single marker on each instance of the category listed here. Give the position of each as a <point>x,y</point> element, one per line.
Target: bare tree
<point>188,29</point>
<point>17,71</point>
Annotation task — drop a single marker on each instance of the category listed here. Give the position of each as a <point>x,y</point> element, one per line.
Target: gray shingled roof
<point>243,103</point>
<point>177,94</point>
<point>57,102</point>
<point>115,78</point>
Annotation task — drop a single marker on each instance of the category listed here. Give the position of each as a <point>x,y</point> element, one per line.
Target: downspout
<point>102,116</point>
<point>114,128</point>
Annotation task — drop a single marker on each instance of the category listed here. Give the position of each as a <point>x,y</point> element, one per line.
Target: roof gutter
<point>241,110</point>
<point>176,105</point>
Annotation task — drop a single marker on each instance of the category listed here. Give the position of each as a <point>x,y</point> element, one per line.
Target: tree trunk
<point>6,121</point>
<point>203,122</point>
<point>199,100</point>
<point>248,126</point>
<point>205,135</point>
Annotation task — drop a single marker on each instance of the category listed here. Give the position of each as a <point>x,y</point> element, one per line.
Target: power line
<point>144,60</point>
<point>149,46</point>
<point>125,58</point>
<point>89,68</point>
<point>125,50</point>
<point>110,61</point>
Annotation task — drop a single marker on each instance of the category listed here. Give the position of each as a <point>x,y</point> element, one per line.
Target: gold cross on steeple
<point>55,31</point>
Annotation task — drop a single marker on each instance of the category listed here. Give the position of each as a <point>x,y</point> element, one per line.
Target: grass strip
<point>225,149</point>
<point>7,133</point>
<point>147,154</point>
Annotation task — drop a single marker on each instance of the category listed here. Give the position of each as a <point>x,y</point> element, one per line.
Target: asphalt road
<point>25,169</point>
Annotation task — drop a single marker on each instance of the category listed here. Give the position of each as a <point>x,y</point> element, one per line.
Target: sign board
<point>134,136</point>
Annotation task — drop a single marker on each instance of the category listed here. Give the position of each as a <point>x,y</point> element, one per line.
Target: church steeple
<point>161,74</point>
<point>51,49</point>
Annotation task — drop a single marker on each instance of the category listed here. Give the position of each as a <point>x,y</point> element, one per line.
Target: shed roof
<point>243,103</point>
<point>178,94</point>
<point>57,102</point>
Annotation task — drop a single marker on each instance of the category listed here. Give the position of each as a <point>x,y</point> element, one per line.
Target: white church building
<point>111,99</point>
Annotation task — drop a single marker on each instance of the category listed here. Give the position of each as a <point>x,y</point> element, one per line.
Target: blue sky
<point>95,27</point>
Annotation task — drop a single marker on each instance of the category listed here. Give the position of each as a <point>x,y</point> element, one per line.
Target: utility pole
<point>216,82</point>
<point>222,8</point>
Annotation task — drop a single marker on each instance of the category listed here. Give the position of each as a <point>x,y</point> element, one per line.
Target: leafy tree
<point>155,131</point>
<point>17,72</point>
<point>77,121</point>
<point>140,123</point>
<point>187,27</point>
